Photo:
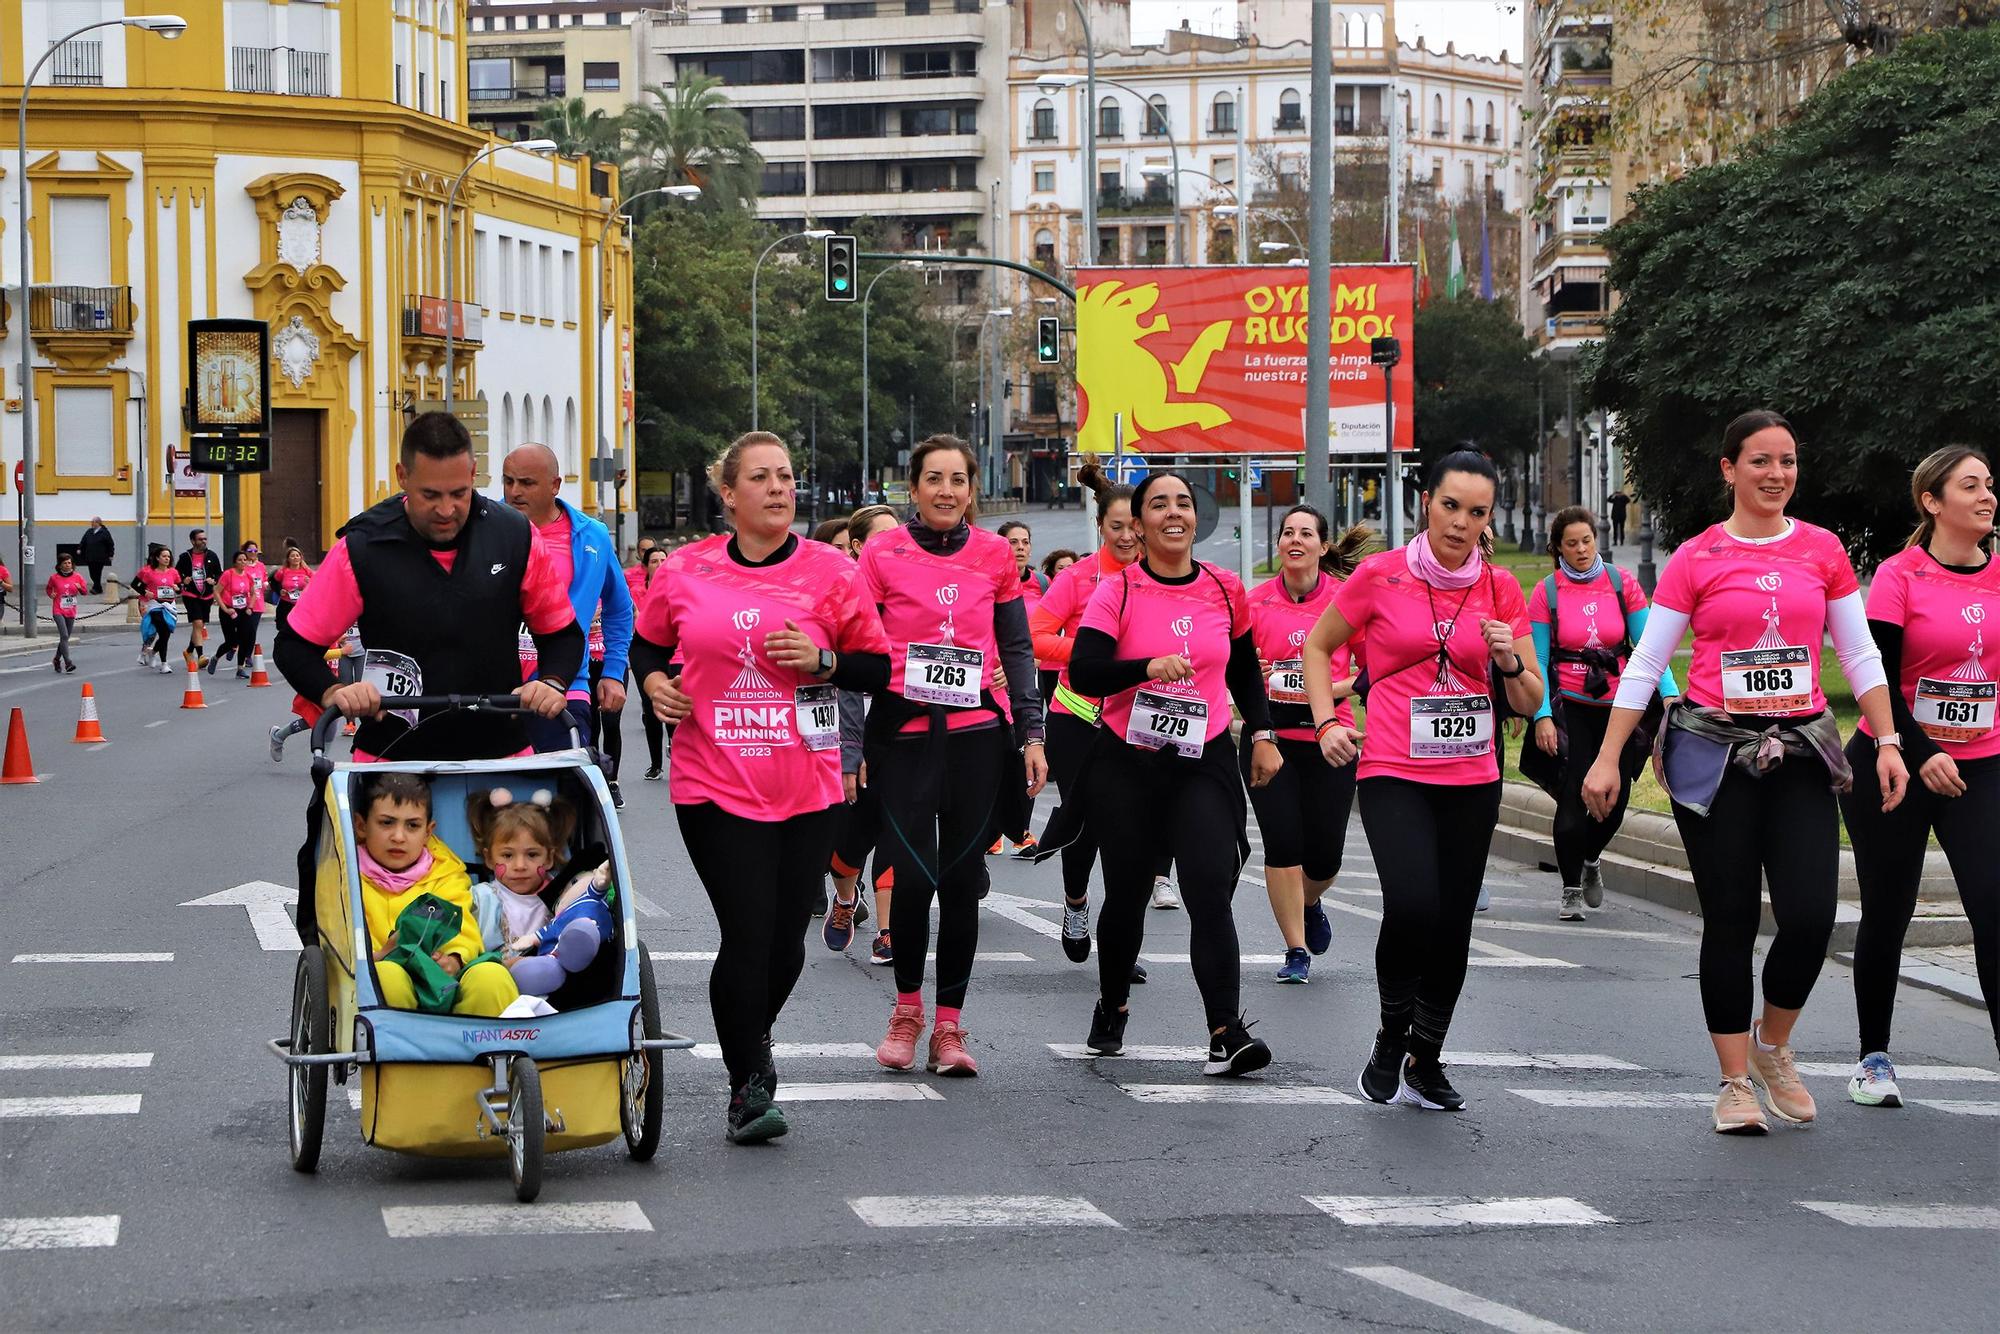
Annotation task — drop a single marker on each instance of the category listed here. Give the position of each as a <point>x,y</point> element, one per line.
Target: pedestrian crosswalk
<point>76,1232</point>
<point>1440,1211</point>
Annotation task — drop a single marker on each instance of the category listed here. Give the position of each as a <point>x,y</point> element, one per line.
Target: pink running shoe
<point>949,1057</point>
<point>899,1049</point>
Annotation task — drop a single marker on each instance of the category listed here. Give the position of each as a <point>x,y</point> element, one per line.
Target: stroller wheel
<point>525,1128</point>
<point>311,1025</point>
<point>643,1094</point>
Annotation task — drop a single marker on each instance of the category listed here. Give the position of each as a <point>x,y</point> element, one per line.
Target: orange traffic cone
<point>18,768</point>
<point>258,675</point>
<point>87,730</point>
<point>191,696</point>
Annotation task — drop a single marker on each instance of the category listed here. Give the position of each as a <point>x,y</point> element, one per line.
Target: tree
<point>690,135</point>
<point>1845,272</point>
<point>581,133</point>
<point>1475,379</point>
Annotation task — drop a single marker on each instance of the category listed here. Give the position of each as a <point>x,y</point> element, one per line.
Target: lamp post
<point>1055,81</point>
<point>169,26</point>
<point>1089,131</point>
<point>867,295</point>
<point>1243,216</point>
<point>451,260</point>
<point>810,234</point>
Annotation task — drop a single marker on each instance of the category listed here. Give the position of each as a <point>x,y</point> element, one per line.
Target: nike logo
<point>498,566</point>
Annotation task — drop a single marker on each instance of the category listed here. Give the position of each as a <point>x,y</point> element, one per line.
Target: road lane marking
<point>1020,912</point>
<point>798,1051</point>
<point>1603,1099</point>
<point>161,723</point>
<point>89,1104</point>
<point>1508,1060</point>
<point>1189,958</point>
<point>1494,956</point>
<point>1071,1051</point>
<point>1981,1217</point>
<point>683,956</point>
<point>58,1234</point>
<point>1457,1300</point>
<point>265,901</point>
<point>978,1211</point>
<point>863,1091</point>
<point>1959,1106</point>
<point>105,1060</point>
<point>1967,1074</point>
<point>1282,1095</point>
<point>1563,929</point>
<point>646,906</point>
<point>512,1220</point>
<point>1457,1211</point>
<point>93,958</point>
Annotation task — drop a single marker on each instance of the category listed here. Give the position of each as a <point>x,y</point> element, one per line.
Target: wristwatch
<point>1265,734</point>
<point>1889,739</point>
<point>826,661</point>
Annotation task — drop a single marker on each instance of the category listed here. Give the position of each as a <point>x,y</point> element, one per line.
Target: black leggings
<point>1429,844</point>
<point>656,734</point>
<point>1579,838</point>
<point>1889,861</point>
<point>239,636</point>
<point>858,832</point>
<point>1146,804</point>
<point>162,637</point>
<point>1783,828</point>
<point>938,814</point>
<point>1302,812</point>
<point>605,730</point>
<point>762,879</point>
<point>1069,740</point>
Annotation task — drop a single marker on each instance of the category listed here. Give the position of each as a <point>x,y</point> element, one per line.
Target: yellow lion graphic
<point>1118,375</point>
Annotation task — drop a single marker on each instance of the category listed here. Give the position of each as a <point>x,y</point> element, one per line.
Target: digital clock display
<point>225,455</point>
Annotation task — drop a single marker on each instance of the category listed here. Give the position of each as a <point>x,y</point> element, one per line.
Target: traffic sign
<point>187,482</point>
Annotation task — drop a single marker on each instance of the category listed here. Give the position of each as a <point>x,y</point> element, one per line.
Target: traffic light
<point>1048,340</point>
<point>841,268</point>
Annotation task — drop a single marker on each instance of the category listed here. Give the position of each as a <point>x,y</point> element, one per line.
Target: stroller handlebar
<point>322,731</point>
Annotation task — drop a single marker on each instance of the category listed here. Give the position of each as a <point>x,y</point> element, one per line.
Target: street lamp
<point>866,295</point>
<point>1054,83</point>
<point>169,26</point>
<point>1238,211</point>
<point>810,234</point>
<point>994,396</point>
<point>1173,144</point>
<point>451,260</point>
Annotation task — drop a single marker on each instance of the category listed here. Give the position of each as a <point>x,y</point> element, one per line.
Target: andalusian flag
<point>1423,270</point>
<point>1454,266</point>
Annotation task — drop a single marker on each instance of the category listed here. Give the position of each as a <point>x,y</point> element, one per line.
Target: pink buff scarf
<point>393,882</point>
<point>1424,564</point>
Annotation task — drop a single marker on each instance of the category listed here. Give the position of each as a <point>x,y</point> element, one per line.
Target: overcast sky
<point>1480,27</point>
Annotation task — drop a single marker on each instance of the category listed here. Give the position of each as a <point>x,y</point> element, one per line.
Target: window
<point>1108,123</point>
<point>929,176</point>
<point>600,76</point>
<point>934,63</point>
<point>1224,170</point>
<point>918,121</point>
<point>423,90</point>
<point>1439,130</point>
<point>863,10</point>
<point>1437,173</point>
<point>1109,180</point>
<point>546,272</point>
<point>85,437</point>
<point>1156,117</point>
<point>569,285</point>
<point>1043,126</point>
<point>492,80</point>
<point>1045,246</point>
<point>736,14</point>
<point>752,67</point>
<point>1222,115</point>
<point>530,290</point>
<point>1357,31</point>
<point>83,259</point>
<point>1587,205</point>
<point>1492,135</point>
<point>767,123</point>
<point>1045,180</point>
<point>850,178</point>
<point>1466,126</point>
<point>503,270</point>
<point>782,179</point>
<point>784,13</point>
<point>478,283</point>
<point>1468,180</point>
<point>399,85</point>
<point>1154,242</point>
<point>1107,245</point>
<point>848,120</point>
<point>1042,395</point>
<point>1290,113</point>
<point>847,64</point>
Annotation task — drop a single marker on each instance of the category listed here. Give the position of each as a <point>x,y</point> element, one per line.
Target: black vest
<point>461,628</point>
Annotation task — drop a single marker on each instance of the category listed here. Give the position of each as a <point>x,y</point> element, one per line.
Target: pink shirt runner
<point>763,741</point>
<point>63,591</point>
<point>1280,625</point>
<point>946,601</point>
<point>1401,618</point>
<point>1758,611</point>
<point>292,583</point>
<point>1587,616</point>
<point>1949,669</point>
<point>239,590</point>
<point>1151,619</point>
<point>156,586</point>
<point>553,538</point>
<point>1054,619</point>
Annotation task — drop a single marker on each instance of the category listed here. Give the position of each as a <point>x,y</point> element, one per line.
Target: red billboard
<point>1212,360</point>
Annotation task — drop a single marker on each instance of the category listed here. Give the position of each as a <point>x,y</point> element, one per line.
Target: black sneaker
<point>1423,1085</point>
<point>1378,1080</point>
<point>1107,1031</point>
<point>653,774</point>
<point>1234,1052</point>
<point>617,797</point>
<point>753,1117</point>
<point>1138,971</point>
<point>1076,931</point>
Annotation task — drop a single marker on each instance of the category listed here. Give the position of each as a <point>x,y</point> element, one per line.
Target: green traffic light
<point>840,284</point>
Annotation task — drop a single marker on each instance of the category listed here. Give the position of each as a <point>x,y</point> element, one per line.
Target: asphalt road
<point>142,1126</point>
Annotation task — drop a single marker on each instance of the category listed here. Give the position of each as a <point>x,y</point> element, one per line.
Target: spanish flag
<point>1423,270</point>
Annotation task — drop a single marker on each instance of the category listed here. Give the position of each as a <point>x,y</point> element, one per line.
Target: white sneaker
<point>1572,906</point>
<point>145,658</point>
<point>165,670</point>
<point>1874,1082</point>
<point>1593,884</point>
<point>1164,894</point>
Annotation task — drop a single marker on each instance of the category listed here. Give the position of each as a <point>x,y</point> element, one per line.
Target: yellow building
<point>289,161</point>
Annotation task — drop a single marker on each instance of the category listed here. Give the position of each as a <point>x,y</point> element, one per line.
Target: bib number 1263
<point>942,674</point>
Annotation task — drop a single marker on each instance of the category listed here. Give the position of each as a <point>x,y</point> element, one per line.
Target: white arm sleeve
<point>1860,659</point>
<point>1664,628</point>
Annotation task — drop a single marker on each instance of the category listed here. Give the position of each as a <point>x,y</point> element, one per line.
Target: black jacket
<point>97,547</point>
<point>210,562</point>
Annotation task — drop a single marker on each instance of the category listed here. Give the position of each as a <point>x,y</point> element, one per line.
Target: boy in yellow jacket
<point>401,860</point>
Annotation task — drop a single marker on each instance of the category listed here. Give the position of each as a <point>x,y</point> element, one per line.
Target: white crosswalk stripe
<point>512,1220</point>
<point>798,1051</point>
<point>1457,1300</point>
<point>1293,1095</point>
<point>108,1060</point>
<point>154,957</point>
<point>864,1091</point>
<point>1607,1099</point>
<point>90,1104</point>
<point>58,1233</point>
<point>1450,1211</point>
<point>1964,1074</point>
<point>1959,1106</point>
<point>937,1211</point>
<point>1982,1217</point>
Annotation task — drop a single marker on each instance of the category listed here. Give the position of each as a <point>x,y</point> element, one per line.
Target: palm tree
<point>690,135</point>
<point>578,132</point>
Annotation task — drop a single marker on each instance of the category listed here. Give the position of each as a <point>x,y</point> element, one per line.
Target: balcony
<point>1348,127</point>
<point>1119,203</point>
<point>1571,247</point>
<point>489,100</point>
<point>253,69</point>
<point>80,328</point>
<point>1575,327</point>
<point>424,318</point>
<point>77,64</point>
<point>1293,124</point>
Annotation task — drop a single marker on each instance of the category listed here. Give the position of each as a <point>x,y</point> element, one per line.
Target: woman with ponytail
<point>1303,810</point>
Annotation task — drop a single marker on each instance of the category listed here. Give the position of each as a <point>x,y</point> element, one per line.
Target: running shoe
<point>1593,884</point>
<point>753,1117</point>
<point>164,669</point>
<point>838,929</point>
<point>1138,971</point>
<point>1776,1074</point>
<point>1076,931</point>
<point>1107,1031</point>
<point>883,953</point>
<point>617,797</point>
<point>145,657</point>
<point>243,673</point>
<point>1319,929</point>
<point>768,1065</point>
<point>69,664</point>
<point>1164,894</point>
<point>55,664</point>
<point>948,1057</point>
<point>213,663</point>
<point>1422,1084</point>
<point>999,845</point>
<point>899,1049</point>
<point>1380,1078</point>
<point>1485,900</point>
<point>1736,1108</point>
<point>653,774</point>
<point>278,744</point>
<point>1572,905</point>
<point>1874,1082</point>
<point>1026,847</point>
<point>1234,1052</point>
<point>1296,968</point>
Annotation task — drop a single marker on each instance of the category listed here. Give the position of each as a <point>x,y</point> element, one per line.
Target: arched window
<point>506,423</point>
<point>548,435</point>
<point>569,432</point>
<point>1156,117</point>
<point>1291,115</point>
<point>1439,130</point>
<point>1222,115</point>
<point>1108,125</point>
<point>1044,123</point>
<point>1491,132</point>
<point>1357,30</point>
<point>1466,128</point>
<point>1374,30</point>
<point>1340,27</point>
<point>1045,246</point>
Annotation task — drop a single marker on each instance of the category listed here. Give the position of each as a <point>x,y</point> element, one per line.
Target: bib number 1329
<point>1450,726</point>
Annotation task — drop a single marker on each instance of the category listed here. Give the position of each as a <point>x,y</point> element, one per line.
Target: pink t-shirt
<point>763,741</point>
<point>156,586</point>
<point>292,583</point>
<point>239,590</point>
<point>1280,626</point>
<point>1949,670</point>
<point>1758,611</point>
<point>63,591</point>
<point>1428,722</point>
<point>1151,619</point>
<point>938,611</point>
<point>1053,620</point>
<point>1587,616</point>
<point>554,539</point>
<point>635,580</point>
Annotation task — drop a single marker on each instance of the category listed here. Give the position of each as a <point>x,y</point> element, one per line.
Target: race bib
<point>526,646</point>
<point>1767,680</point>
<point>239,602</point>
<point>938,674</point>
<point>818,712</point>
<point>393,673</point>
<point>1159,721</point>
<point>1956,711</point>
<point>1287,683</point>
<point>1451,727</point>
<point>66,604</point>
<point>292,594</point>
